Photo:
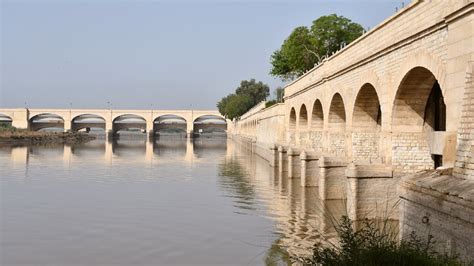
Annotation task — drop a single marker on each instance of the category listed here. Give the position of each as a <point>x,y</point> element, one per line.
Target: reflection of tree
<point>234,180</point>
<point>277,255</point>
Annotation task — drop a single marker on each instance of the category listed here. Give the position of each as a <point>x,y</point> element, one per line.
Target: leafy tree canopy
<point>306,46</point>
<point>246,96</point>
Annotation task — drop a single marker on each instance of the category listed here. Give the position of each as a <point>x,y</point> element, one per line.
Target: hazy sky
<point>138,54</point>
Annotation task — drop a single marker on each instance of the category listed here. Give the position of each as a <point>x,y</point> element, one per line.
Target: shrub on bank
<point>7,127</point>
<point>374,244</point>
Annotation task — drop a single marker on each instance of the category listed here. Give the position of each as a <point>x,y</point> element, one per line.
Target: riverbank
<point>18,136</point>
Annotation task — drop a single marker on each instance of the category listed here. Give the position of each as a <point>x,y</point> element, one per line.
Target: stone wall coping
<point>282,149</point>
<point>438,182</point>
<point>369,171</point>
<point>310,155</point>
<point>443,193</point>
<point>328,162</point>
<point>293,151</point>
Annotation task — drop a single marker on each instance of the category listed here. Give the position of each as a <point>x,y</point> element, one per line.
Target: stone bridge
<point>112,121</point>
<point>396,101</point>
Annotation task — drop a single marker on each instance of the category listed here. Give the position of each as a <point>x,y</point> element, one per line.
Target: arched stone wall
<point>99,124</point>
<point>317,126</point>
<point>464,167</point>
<point>366,125</point>
<point>414,142</point>
<point>337,125</point>
<point>179,125</point>
<point>197,126</point>
<point>292,126</point>
<point>56,121</point>
<point>135,122</point>
<point>303,133</point>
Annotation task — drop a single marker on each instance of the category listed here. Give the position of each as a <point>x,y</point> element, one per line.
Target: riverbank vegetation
<point>246,96</point>
<point>9,134</point>
<point>376,244</point>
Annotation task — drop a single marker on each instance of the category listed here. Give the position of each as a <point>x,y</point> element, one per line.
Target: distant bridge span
<point>113,120</point>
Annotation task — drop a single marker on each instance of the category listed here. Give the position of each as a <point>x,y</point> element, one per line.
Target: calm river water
<point>176,201</point>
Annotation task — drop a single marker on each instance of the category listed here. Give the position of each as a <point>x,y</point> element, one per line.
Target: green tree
<point>305,47</point>
<point>257,91</point>
<point>234,105</point>
<point>279,93</point>
<point>295,56</point>
<point>246,96</point>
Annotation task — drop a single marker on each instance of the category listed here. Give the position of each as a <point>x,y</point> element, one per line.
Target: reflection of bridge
<point>138,151</point>
<point>112,121</point>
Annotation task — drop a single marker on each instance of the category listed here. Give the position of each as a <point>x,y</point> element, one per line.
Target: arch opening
<point>5,120</point>
<point>88,123</point>
<point>317,116</point>
<point>367,115</point>
<point>419,120</point>
<point>209,125</point>
<point>129,124</point>
<point>292,120</point>
<point>337,113</point>
<point>303,118</point>
<point>46,122</point>
<point>170,125</point>
<point>366,126</point>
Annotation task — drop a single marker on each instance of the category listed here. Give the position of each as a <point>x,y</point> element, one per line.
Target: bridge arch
<point>303,118</point>
<point>367,113</point>
<point>317,116</point>
<point>292,120</point>
<point>5,120</point>
<point>209,123</point>
<point>418,121</point>
<point>337,113</point>
<point>337,126</point>
<point>87,122</point>
<point>129,122</point>
<point>170,124</point>
<point>366,125</point>
<point>46,121</point>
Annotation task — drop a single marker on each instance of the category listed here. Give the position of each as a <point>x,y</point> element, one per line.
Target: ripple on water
<point>135,203</point>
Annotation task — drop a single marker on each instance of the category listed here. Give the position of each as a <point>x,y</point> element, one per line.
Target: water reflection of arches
<point>47,121</point>
<point>167,146</point>
<point>88,122</point>
<point>5,120</point>
<point>210,147</point>
<point>128,147</point>
<point>129,123</point>
<point>210,124</point>
<point>170,125</point>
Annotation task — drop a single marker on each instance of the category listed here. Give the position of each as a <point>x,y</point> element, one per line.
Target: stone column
<point>282,159</point>
<point>67,125</point>
<point>294,163</point>
<point>309,169</point>
<point>20,118</point>
<point>189,129</point>
<point>332,178</point>
<point>273,160</point>
<point>371,192</point>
